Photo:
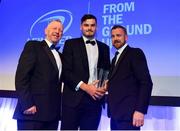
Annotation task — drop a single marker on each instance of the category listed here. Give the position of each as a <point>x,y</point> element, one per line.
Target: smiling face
<point>119,37</point>
<point>54,31</point>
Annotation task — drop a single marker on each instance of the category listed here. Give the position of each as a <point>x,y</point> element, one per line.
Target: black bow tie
<point>90,42</point>
<point>54,47</point>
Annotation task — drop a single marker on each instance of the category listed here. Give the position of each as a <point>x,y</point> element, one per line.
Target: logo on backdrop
<point>37,29</point>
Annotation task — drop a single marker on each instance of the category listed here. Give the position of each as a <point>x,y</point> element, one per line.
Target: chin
<point>55,42</point>
<point>89,36</point>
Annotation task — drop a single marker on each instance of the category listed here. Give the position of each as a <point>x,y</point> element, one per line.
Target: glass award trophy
<point>102,76</point>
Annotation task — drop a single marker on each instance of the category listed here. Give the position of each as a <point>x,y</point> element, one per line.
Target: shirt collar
<point>120,50</point>
<point>48,43</point>
<point>85,39</point>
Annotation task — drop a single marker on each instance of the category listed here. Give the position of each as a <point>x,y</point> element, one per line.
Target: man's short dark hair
<point>119,26</point>
<point>88,16</point>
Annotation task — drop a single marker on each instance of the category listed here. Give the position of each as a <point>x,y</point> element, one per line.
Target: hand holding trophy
<point>102,76</point>
<point>100,83</point>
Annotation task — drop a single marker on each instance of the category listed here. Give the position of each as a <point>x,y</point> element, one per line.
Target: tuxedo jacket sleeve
<point>23,75</point>
<point>37,83</point>
<point>141,73</point>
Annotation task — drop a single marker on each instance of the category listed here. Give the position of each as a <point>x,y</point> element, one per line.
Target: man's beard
<point>118,44</point>
<point>89,34</point>
<point>119,41</point>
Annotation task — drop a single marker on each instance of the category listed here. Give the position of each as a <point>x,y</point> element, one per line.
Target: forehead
<point>89,21</point>
<point>118,30</point>
<point>54,24</point>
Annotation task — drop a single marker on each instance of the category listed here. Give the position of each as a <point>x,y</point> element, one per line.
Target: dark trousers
<point>122,125</point>
<point>86,116</point>
<point>37,125</point>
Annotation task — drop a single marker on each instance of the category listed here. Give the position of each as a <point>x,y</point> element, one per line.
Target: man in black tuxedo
<point>38,82</point>
<point>82,100</point>
<point>130,84</point>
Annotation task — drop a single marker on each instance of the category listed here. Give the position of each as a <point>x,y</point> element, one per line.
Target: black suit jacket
<point>76,68</point>
<point>130,85</point>
<point>37,83</point>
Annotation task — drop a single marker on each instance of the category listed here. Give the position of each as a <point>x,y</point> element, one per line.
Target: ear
<point>46,31</point>
<point>81,27</point>
<point>126,37</point>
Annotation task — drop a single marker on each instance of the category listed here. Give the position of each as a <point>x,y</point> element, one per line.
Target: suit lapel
<point>84,54</point>
<point>118,62</point>
<point>100,52</point>
<point>50,55</point>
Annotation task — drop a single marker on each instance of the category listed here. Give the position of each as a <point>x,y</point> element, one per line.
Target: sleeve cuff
<point>78,86</point>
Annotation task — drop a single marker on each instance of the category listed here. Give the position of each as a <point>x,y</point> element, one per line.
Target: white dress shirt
<point>92,54</point>
<point>120,50</point>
